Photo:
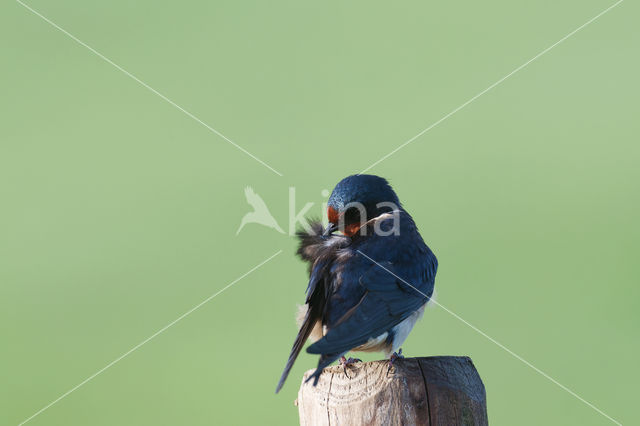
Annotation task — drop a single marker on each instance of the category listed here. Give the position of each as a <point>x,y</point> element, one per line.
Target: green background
<point>119,212</point>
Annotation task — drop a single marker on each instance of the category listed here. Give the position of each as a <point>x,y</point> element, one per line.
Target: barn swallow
<point>357,298</point>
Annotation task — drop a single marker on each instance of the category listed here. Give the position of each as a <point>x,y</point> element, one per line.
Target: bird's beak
<point>331,227</point>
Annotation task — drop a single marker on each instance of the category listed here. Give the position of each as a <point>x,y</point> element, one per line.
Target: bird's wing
<point>386,302</point>
<point>255,200</point>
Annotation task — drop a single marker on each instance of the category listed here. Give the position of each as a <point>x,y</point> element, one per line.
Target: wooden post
<point>441,390</point>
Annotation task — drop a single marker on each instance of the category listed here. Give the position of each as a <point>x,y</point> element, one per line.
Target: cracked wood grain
<point>416,391</point>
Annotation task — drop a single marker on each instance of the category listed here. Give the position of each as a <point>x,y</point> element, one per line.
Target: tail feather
<point>324,361</point>
<point>303,334</point>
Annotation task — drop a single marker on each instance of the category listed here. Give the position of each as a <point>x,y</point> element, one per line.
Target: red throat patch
<point>332,215</point>
<point>349,230</point>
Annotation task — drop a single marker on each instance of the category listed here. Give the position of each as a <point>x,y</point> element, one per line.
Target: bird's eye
<point>352,215</point>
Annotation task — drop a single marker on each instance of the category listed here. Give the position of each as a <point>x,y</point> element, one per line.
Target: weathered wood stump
<point>442,390</point>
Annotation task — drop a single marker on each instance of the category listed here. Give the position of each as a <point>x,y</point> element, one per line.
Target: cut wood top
<point>424,391</point>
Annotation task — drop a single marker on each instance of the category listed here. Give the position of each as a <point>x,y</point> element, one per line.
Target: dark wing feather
<point>315,249</point>
<point>313,314</point>
<point>386,303</point>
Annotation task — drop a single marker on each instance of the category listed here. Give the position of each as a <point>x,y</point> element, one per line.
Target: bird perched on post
<point>368,285</point>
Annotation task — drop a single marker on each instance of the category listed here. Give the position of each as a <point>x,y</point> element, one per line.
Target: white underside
<point>403,329</point>
<point>400,331</point>
<point>375,344</point>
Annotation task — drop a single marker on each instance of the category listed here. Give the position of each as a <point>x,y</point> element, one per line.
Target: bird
<point>260,213</point>
<point>370,276</point>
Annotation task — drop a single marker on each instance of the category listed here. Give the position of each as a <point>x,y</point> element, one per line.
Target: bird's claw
<point>348,362</point>
<point>394,356</point>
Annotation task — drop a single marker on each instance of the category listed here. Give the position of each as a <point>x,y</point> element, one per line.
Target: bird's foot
<point>348,362</point>
<point>394,356</point>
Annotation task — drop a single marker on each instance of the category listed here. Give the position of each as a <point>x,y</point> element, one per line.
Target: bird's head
<point>357,199</point>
